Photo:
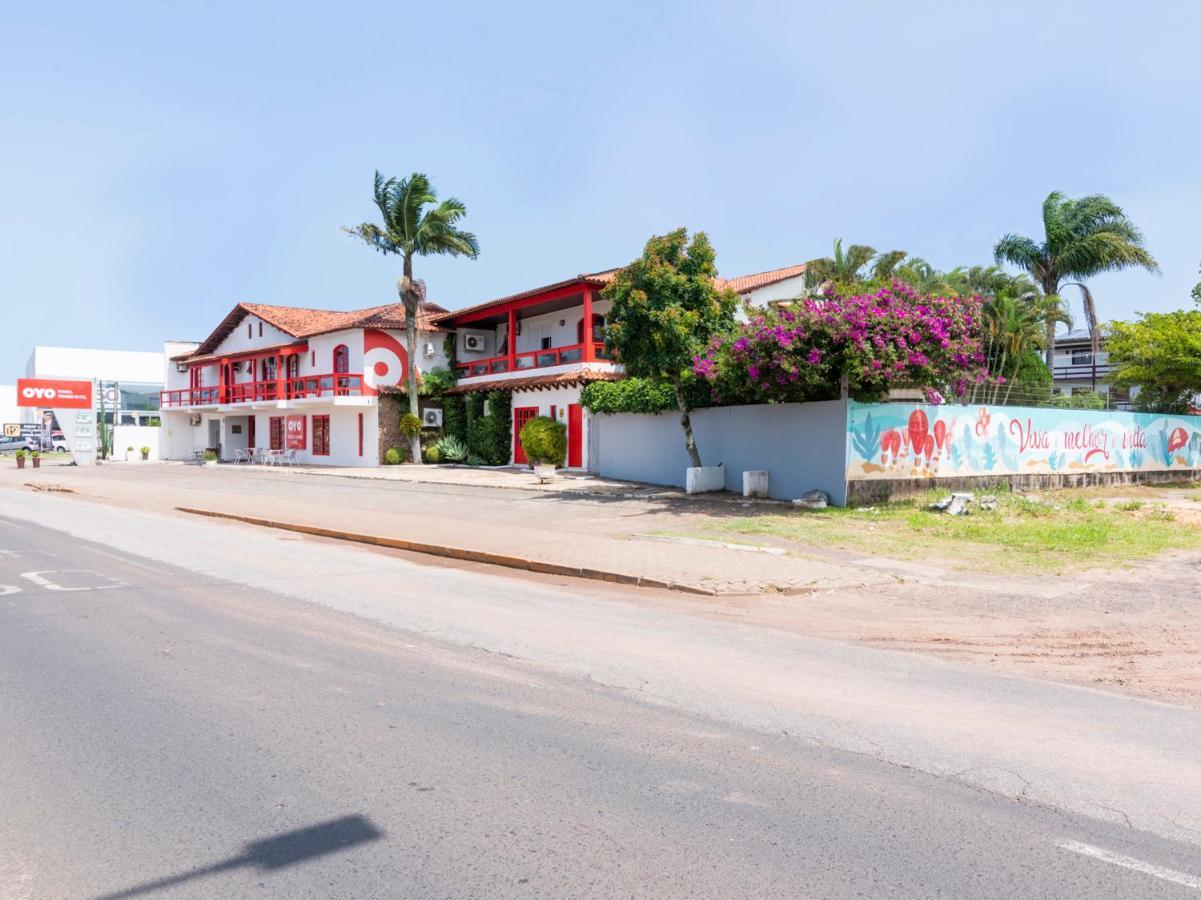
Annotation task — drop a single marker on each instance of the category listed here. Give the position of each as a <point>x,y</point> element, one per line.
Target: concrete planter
<point>703,479</point>
<point>754,483</point>
<point>37,461</point>
<point>20,462</point>
<point>544,473</point>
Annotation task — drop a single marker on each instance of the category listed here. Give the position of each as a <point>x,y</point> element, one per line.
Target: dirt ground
<point>1135,628</point>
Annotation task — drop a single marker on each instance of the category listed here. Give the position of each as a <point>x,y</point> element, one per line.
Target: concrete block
<point>702,479</point>
<point>754,483</point>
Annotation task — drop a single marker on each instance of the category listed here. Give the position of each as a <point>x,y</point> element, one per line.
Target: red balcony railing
<point>530,359</point>
<point>334,385</point>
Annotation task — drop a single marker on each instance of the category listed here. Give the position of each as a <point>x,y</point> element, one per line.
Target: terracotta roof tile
<point>300,322</point>
<point>739,285</point>
<point>744,283</point>
<point>559,379</point>
<point>596,279</point>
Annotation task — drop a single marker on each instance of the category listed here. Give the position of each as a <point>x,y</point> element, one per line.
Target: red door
<point>575,436</point>
<point>250,432</point>
<point>521,415</point>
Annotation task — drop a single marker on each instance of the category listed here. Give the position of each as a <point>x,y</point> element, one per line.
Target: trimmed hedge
<point>631,395</point>
<point>488,437</point>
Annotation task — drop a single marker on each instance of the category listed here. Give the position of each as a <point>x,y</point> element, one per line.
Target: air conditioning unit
<point>431,418</point>
<point>194,419</point>
<point>181,368</point>
<point>430,349</point>
<point>473,342</point>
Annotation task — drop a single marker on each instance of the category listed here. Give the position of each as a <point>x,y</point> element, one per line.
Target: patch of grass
<point>1129,506</point>
<point>1019,534</point>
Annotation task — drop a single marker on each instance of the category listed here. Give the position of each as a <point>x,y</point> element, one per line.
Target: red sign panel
<point>294,432</point>
<point>45,392</point>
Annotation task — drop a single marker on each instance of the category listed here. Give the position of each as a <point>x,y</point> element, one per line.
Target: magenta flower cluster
<point>890,338</point>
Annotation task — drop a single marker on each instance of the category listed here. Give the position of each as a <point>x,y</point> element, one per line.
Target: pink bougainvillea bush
<point>893,337</point>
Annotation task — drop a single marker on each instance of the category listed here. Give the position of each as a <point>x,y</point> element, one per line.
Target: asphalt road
<point>182,730</point>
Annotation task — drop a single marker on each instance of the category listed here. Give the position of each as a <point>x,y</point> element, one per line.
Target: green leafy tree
<point>1082,238</point>
<point>413,224</point>
<point>666,309</point>
<point>1160,354</point>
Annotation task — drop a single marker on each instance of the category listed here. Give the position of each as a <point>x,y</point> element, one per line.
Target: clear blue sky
<point>162,161</point>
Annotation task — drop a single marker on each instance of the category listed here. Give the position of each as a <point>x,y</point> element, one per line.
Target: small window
<point>313,359</point>
<point>1082,357</point>
<point>260,329</point>
<point>544,343</point>
<point>321,435</point>
<point>249,329</point>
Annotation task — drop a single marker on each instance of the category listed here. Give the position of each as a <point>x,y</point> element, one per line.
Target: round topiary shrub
<point>410,425</point>
<point>392,457</point>
<point>544,441</point>
<point>433,455</point>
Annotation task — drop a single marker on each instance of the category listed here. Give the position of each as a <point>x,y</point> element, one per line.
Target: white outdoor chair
<point>289,457</point>
<point>242,456</point>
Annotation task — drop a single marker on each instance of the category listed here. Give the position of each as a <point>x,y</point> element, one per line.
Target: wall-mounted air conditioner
<point>473,342</point>
<point>431,418</point>
<point>194,419</point>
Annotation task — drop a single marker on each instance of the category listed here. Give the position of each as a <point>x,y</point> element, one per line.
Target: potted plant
<point>545,443</point>
<point>20,457</point>
<point>36,456</point>
<point>129,457</point>
<point>210,457</point>
<point>145,453</point>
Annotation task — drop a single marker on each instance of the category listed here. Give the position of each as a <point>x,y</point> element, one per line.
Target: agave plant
<point>451,448</point>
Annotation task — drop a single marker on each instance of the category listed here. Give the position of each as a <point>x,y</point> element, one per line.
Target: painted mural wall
<point>902,440</point>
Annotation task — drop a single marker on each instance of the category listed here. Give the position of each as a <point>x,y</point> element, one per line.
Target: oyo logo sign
<point>58,394</point>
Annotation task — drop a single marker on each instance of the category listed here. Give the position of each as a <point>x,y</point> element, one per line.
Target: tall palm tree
<point>850,266</point>
<point>1082,238</point>
<point>415,224</point>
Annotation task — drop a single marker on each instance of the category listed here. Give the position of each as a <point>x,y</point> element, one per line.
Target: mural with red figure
<point>905,440</point>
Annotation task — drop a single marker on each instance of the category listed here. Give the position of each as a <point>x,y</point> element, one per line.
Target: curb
<point>459,553</point>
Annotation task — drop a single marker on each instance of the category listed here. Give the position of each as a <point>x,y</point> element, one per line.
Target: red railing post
<point>589,346</point>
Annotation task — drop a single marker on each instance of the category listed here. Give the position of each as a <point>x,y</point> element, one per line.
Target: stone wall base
<point>875,490</point>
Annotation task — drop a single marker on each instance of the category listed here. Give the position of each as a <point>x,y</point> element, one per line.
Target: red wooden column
<point>222,387</point>
<point>589,347</point>
<point>279,376</point>
<point>512,340</point>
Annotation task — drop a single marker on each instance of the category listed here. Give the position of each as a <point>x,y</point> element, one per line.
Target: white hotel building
<point>325,383</point>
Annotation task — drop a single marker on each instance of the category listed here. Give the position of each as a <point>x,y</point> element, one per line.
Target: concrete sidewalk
<point>604,534</point>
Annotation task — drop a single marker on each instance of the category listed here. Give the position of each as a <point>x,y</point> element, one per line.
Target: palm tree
<point>414,226</point>
<point>1082,238</point>
<point>850,266</point>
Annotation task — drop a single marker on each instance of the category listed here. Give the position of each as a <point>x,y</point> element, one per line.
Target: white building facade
<point>314,385</point>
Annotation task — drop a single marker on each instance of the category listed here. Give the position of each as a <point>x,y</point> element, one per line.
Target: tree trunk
<point>1051,289</point>
<point>686,424</point>
<point>412,307</point>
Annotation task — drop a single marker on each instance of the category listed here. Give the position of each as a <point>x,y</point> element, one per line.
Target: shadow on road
<point>273,853</point>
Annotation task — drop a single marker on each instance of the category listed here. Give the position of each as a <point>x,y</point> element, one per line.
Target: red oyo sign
<point>46,392</point>
<point>294,432</point>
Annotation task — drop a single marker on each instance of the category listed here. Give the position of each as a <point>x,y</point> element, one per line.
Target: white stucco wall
<point>789,289</point>
<point>533,328</point>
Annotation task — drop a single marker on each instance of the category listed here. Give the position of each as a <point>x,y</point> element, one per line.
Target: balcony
<point>298,388</point>
<point>531,359</point>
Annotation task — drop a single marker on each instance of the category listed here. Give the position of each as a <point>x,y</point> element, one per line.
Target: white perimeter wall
<point>801,445</point>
